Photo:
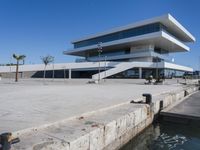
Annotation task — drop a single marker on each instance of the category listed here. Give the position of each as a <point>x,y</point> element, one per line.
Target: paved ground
<point>189,108</point>
<point>31,103</point>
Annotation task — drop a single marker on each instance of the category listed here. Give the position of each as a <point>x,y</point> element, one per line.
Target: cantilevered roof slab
<point>160,39</point>
<point>167,20</point>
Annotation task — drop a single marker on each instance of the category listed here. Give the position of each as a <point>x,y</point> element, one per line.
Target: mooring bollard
<point>148,98</point>
<point>161,105</point>
<point>149,102</point>
<point>6,141</point>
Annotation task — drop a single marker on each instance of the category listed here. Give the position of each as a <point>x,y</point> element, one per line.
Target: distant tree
<point>46,60</point>
<point>18,58</point>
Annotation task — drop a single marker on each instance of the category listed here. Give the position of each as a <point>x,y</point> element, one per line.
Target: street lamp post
<point>99,49</point>
<point>10,69</point>
<point>53,75</point>
<point>105,67</point>
<point>157,68</point>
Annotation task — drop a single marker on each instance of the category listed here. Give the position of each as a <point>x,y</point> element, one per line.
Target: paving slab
<point>33,103</point>
<point>93,131</point>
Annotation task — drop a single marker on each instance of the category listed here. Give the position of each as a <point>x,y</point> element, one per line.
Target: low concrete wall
<point>168,99</point>
<point>36,74</point>
<point>49,74</point>
<point>107,129</point>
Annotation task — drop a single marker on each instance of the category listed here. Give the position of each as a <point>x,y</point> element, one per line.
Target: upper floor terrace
<point>164,32</point>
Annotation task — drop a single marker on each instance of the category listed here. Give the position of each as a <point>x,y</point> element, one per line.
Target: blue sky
<point>40,27</point>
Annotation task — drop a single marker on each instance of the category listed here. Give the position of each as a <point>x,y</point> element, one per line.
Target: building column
<point>140,73</point>
<point>70,73</point>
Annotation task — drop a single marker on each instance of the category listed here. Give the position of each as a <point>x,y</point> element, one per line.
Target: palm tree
<point>46,60</point>
<point>18,58</point>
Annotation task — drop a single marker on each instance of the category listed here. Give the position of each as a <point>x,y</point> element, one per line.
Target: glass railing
<point>130,55</point>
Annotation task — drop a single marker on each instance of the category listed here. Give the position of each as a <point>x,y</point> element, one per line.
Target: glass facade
<point>146,72</point>
<point>167,73</point>
<point>150,28</point>
<point>170,73</point>
<point>128,74</point>
<point>161,51</point>
<point>155,27</point>
<point>109,53</point>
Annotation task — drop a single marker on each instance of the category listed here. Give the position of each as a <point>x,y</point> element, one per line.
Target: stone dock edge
<point>108,129</point>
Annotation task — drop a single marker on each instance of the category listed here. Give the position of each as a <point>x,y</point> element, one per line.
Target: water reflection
<point>164,141</point>
<point>167,136</point>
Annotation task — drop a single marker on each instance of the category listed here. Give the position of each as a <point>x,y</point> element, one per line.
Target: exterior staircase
<point>120,68</point>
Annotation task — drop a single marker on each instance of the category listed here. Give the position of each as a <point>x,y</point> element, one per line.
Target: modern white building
<point>136,50</point>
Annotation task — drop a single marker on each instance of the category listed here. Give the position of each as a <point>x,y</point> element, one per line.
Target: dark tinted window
<point>121,35</point>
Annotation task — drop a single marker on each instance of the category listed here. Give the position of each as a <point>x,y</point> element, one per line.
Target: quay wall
<point>108,129</point>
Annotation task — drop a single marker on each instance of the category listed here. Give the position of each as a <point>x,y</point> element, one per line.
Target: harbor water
<point>167,136</point>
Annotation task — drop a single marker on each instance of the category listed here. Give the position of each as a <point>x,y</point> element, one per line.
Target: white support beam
<point>140,73</point>
<point>70,73</point>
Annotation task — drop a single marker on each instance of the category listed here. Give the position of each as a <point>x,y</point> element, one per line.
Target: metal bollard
<point>148,98</point>
<point>161,105</point>
<point>6,141</point>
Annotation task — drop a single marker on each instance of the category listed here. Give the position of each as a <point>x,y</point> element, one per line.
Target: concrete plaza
<point>32,103</point>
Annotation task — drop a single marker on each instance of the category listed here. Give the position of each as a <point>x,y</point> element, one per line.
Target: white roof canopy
<point>169,21</point>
